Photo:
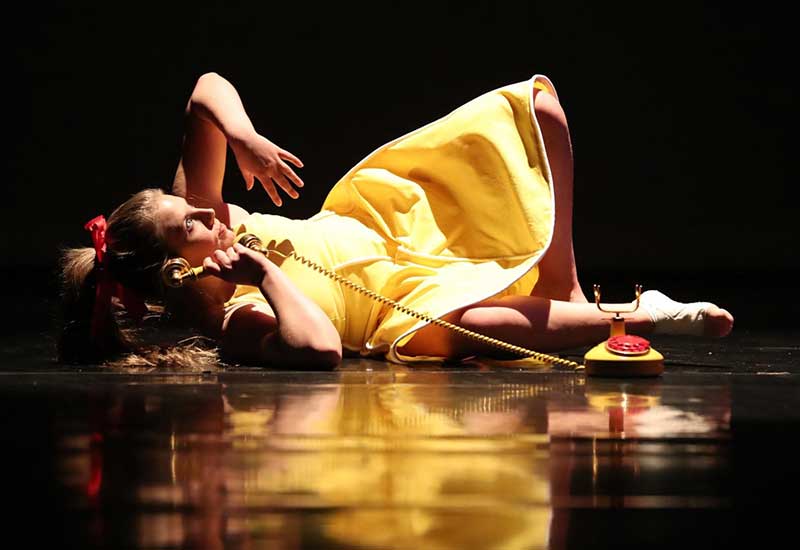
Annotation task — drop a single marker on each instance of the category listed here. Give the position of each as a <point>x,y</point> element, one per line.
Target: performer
<point>467,219</point>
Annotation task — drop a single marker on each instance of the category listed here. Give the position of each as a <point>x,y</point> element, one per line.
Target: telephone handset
<point>176,271</point>
<point>622,354</point>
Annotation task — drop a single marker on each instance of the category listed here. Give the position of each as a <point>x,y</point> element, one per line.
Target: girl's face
<point>192,233</point>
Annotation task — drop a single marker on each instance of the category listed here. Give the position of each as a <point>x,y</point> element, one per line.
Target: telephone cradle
<point>622,355</point>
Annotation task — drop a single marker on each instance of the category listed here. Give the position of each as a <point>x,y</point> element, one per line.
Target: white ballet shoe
<point>671,317</point>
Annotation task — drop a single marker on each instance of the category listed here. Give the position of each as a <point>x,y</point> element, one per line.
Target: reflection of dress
<point>395,465</point>
<point>448,215</point>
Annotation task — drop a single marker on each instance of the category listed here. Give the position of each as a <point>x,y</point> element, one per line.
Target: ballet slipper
<point>671,317</point>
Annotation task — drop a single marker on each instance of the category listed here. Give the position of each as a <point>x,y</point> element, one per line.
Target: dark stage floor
<point>374,455</point>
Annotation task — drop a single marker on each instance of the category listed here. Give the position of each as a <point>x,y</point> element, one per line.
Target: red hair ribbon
<point>106,286</point>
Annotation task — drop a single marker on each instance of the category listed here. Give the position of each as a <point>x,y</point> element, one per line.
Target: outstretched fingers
<point>284,178</point>
<point>249,180</point>
<point>269,187</point>
<point>284,183</point>
<point>287,171</point>
<point>286,155</point>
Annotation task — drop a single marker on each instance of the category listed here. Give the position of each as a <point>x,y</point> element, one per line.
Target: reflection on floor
<point>375,455</point>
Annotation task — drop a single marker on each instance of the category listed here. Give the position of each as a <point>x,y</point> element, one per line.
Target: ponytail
<point>95,328</point>
<point>78,343</point>
<point>117,346</point>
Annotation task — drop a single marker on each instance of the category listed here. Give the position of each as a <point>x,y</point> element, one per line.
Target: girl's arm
<point>299,333</point>
<point>216,118</point>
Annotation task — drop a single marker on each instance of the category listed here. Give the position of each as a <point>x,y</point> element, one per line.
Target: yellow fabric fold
<point>448,215</point>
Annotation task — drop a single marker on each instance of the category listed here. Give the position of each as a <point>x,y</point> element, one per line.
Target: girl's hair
<point>134,255</point>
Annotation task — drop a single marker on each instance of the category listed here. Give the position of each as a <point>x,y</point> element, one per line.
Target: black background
<point>682,119</point>
<point>681,116</point>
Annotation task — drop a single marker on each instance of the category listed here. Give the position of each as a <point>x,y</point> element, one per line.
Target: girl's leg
<point>558,275</point>
<point>544,325</point>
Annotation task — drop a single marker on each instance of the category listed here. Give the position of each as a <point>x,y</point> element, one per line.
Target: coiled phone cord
<point>254,243</point>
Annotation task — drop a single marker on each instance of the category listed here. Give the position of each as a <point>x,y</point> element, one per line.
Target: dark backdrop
<point>680,116</point>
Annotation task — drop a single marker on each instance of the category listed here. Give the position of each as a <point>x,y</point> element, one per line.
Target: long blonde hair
<point>134,255</point>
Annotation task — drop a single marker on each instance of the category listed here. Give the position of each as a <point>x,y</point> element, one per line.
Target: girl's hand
<point>259,158</point>
<point>238,264</point>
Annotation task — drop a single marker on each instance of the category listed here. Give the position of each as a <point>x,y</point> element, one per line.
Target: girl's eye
<point>189,222</point>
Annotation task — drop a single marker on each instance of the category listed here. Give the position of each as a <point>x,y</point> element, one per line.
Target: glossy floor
<point>375,455</point>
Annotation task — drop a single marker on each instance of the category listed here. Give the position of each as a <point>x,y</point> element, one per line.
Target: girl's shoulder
<point>237,214</point>
<point>232,214</point>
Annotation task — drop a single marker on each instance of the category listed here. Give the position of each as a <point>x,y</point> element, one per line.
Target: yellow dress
<point>448,215</point>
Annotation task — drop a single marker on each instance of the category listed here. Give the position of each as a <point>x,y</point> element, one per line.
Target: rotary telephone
<point>623,355</point>
<point>620,355</point>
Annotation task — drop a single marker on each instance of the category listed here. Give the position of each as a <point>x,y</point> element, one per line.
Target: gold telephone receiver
<point>176,271</point>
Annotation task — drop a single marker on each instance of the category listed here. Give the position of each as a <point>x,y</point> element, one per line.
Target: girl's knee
<point>548,109</point>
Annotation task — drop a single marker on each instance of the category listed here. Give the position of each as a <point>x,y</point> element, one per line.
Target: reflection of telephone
<point>622,402</point>
<point>622,354</point>
<point>176,271</point>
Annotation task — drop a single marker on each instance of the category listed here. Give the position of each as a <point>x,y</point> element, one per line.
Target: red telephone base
<point>623,356</point>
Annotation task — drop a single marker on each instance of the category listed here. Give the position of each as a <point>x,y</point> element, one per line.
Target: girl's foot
<point>693,319</point>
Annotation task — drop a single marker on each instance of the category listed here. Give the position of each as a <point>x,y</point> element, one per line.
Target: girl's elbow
<point>328,354</point>
<point>204,88</point>
<point>209,76</point>
<point>321,353</point>
<point>323,346</point>
<point>329,359</point>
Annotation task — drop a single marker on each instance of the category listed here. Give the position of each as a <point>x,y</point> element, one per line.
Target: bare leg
<point>558,275</point>
<point>556,315</point>
<point>539,324</point>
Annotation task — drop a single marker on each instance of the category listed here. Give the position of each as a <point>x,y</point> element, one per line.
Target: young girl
<point>467,219</point>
